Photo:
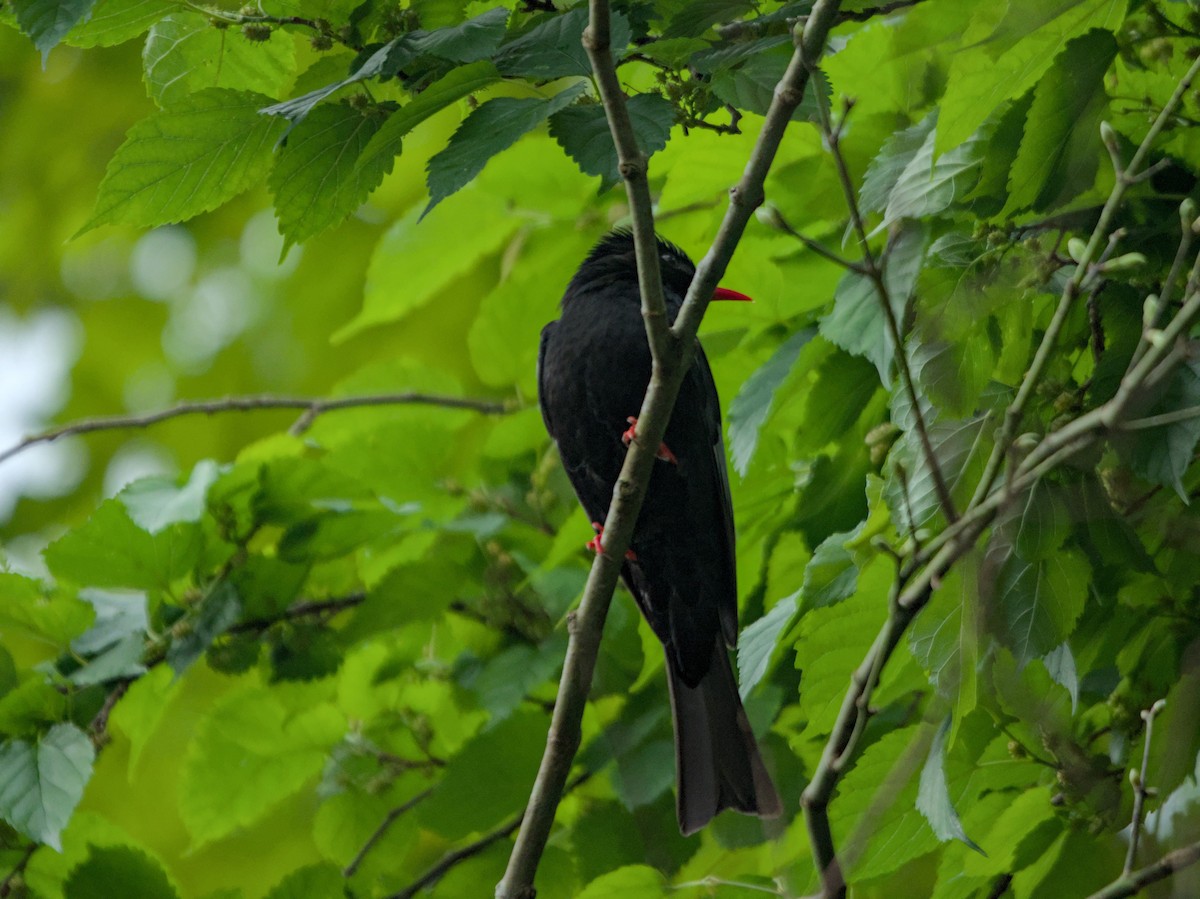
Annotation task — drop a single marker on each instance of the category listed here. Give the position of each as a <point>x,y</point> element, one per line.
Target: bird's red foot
<point>630,435</point>
<point>596,546</point>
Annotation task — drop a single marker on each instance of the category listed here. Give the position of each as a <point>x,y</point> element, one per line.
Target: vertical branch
<point>672,349</point>
<point>1140,791</point>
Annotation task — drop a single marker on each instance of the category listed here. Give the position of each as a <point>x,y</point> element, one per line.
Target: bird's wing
<point>547,333</point>
<point>714,487</point>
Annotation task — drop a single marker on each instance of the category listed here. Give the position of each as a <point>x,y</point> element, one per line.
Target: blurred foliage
<point>242,662</point>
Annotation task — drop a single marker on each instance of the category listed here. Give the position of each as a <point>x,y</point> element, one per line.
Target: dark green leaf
<point>320,881</point>
<point>645,773</point>
<point>582,132</point>
<point>318,181</point>
<point>697,17</point>
<point>47,22</point>
<point>453,86</point>
<point>1161,455</point>
<point>1060,152</point>
<point>218,611</point>
<point>188,159</point>
<point>508,678</point>
<point>1040,601</point>
<point>469,41</point>
<point>40,784</point>
<point>751,407</point>
<point>304,652</point>
<point>118,871</point>
<point>751,86</point>
<point>494,126</point>
<point>554,47</point>
<point>933,793</point>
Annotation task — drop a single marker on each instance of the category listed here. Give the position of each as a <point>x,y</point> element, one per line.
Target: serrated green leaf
<point>410,264</point>
<point>752,406</point>
<point>116,21</point>
<point>451,87</point>
<point>1014,45</point>
<point>758,641</point>
<point>118,871</point>
<point>751,86</point>
<point>933,794</point>
<point>496,125</point>
<point>184,53</point>
<point>188,159</point>
<point>698,16</point>
<point>894,157</point>
<point>959,447</point>
<point>1060,151</point>
<point>304,652</point>
<point>317,180</point>
<point>582,132</point>
<point>831,574</point>
<point>25,607</point>
<point>1040,601</point>
<point>155,503</point>
<point>554,47</point>
<point>508,678</point>
<point>46,22</point>
<point>469,41</point>
<point>109,550</point>
<point>926,187</point>
<point>250,752</point>
<point>40,784</point>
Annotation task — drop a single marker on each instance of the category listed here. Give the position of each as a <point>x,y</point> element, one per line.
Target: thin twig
<point>382,829</point>
<point>1140,791</point>
<point>98,728</point>
<point>776,220</point>
<point>1166,418</point>
<point>312,407</point>
<point>11,878</point>
<point>300,610</point>
<point>672,353</point>
<point>875,274</point>
<point>1132,884</point>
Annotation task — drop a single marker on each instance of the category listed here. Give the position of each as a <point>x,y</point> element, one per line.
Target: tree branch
<point>300,610</point>
<point>1140,792</point>
<point>672,353</point>
<point>311,406</point>
<point>11,878</point>
<point>382,829</point>
<point>1132,884</point>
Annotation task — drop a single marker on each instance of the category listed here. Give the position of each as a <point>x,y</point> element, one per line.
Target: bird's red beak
<point>724,293</point>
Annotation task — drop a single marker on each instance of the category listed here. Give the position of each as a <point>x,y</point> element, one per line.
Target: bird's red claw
<point>630,435</point>
<point>597,546</point>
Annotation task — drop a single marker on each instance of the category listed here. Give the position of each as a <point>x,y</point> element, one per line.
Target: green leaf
<point>118,871</point>
<point>188,159</point>
<point>759,640</point>
<point>496,125</point>
<point>1060,665</point>
<point>116,21</point>
<point>554,47</point>
<point>831,574</point>
<point>696,17</point>
<point>933,793</point>
<point>155,503</point>
<point>217,612</point>
<point>121,660</point>
<point>317,180</point>
<point>142,709</point>
<point>645,773</point>
<point>488,779</point>
<point>752,406</point>
<point>892,160</point>
<point>508,678</point>
<point>470,41</point>
<point>320,881</point>
<point>960,448</point>
<point>109,550</point>
<point>1060,152</point>
<point>185,53</point>
<point>46,22</point>
<point>925,187</point>
<point>582,132</point>
<point>751,86</point>
<point>1009,48</point>
<point>40,784</point>
<point>1040,601</point>
<point>248,753</point>
<point>857,323</point>
<point>26,608</point>
<point>632,882</point>
<point>410,265</point>
<point>1161,455</point>
<point>451,87</point>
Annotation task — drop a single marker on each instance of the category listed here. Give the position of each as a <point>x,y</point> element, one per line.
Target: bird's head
<point>613,261</point>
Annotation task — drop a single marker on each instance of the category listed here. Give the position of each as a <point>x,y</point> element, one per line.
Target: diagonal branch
<point>311,407</point>
<point>1140,790</point>
<point>1134,883</point>
<point>672,351</point>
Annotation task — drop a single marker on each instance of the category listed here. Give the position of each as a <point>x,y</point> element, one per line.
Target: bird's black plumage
<point>593,368</point>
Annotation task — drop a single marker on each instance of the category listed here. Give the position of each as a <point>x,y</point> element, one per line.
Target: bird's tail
<point>717,762</point>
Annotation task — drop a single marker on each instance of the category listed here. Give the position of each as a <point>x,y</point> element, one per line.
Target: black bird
<point>593,368</point>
